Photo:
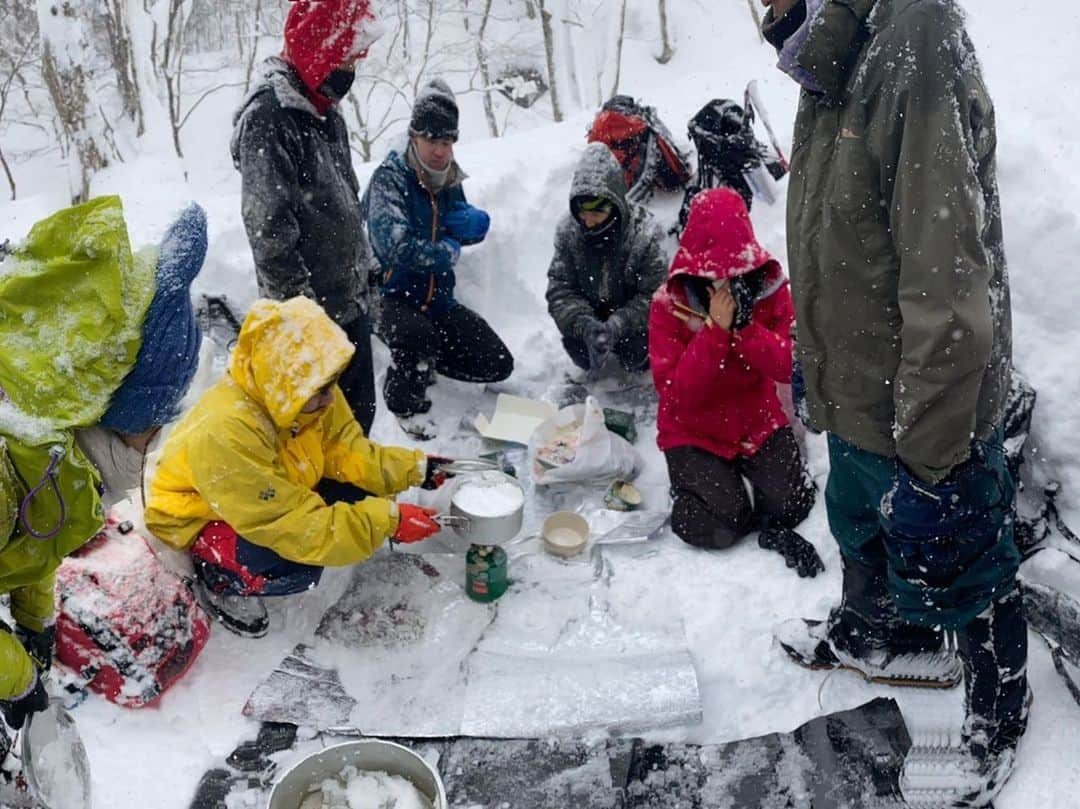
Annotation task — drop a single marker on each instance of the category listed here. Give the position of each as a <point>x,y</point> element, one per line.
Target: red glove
<point>416,523</point>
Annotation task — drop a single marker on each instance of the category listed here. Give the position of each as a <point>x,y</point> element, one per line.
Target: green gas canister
<point>485,572</point>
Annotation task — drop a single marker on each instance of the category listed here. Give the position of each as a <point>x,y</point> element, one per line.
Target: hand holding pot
<point>416,523</point>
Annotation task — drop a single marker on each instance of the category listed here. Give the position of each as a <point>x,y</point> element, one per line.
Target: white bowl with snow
<point>360,774</point>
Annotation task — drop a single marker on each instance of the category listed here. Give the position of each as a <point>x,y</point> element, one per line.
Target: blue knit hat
<point>150,394</point>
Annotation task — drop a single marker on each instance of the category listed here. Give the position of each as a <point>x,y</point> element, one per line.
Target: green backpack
<point>72,300</point>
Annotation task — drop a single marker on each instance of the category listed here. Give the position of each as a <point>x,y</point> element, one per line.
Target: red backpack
<point>642,145</point>
<point>125,624</point>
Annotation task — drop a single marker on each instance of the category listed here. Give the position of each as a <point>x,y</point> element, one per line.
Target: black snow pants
<point>458,344</point>
<point>711,506</point>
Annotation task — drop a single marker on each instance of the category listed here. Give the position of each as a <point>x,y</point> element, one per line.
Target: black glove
<point>39,645</point>
<point>435,476</point>
<point>597,341</point>
<point>797,552</point>
<point>798,396</point>
<point>15,711</point>
<point>744,292</point>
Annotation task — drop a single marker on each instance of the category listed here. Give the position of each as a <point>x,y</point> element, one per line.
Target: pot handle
<point>453,521</point>
<point>463,466</point>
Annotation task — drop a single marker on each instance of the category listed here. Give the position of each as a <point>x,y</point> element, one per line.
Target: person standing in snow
<point>718,339</point>
<point>608,262</point>
<point>902,301</point>
<point>300,196</point>
<point>418,221</point>
<point>240,476</point>
<point>130,340</point>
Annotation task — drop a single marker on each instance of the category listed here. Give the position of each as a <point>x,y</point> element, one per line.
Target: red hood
<point>321,35</point>
<point>719,241</point>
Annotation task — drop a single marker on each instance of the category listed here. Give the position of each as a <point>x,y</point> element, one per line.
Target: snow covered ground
<point>729,601</point>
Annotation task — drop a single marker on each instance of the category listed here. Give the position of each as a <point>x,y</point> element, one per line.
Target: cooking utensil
<point>463,466</point>
<point>482,529</point>
<point>565,533</point>
<point>54,759</point>
<point>370,754</point>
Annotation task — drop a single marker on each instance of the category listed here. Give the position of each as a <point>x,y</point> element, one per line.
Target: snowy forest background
<point>103,80</point>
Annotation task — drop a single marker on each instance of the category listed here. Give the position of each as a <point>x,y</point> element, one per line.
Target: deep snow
<point>729,601</point>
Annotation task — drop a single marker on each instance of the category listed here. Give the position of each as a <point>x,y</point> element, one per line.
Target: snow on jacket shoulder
<point>300,196</point>
<point>405,225</point>
<point>247,455</point>
<point>718,388</point>
<point>621,283</point>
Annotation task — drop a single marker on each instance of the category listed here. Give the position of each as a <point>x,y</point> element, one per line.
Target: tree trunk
<point>123,61</point>
<point>63,42</point>
<point>7,172</point>
<point>668,51</point>
<point>253,53</point>
<point>757,19</point>
<point>549,55</point>
<point>485,73</point>
<point>618,49</point>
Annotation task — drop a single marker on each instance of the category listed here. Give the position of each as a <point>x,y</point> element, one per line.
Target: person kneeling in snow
<point>608,262</point>
<point>72,433</point>
<point>238,477</point>
<point>418,221</point>
<point>719,343</point>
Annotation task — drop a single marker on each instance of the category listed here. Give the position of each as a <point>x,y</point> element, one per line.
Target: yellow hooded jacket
<point>245,454</point>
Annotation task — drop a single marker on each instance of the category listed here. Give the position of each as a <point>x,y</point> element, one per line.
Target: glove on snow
<point>467,223</point>
<point>39,645</point>
<point>415,523</point>
<point>797,552</point>
<point>35,699</point>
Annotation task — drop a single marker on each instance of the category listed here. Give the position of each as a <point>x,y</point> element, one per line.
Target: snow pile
<point>489,495</point>
<point>365,789</point>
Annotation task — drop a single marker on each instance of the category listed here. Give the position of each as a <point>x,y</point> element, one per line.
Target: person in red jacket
<point>719,342</point>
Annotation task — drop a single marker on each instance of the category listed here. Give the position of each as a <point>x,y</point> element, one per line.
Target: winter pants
<point>228,563</point>
<point>632,352</point>
<point>357,381</point>
<point>459,344</point>
<point>944,583</point>
<point>712,508</point>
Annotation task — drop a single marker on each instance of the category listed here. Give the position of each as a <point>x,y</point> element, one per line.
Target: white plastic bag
<point>574,445</point>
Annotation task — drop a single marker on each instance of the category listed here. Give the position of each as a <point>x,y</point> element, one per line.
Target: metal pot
<point>482,529</point>
<point>55,761</point>
<point>369,754</point>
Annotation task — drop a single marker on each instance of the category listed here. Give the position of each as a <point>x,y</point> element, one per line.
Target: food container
<point>297,782</point>
<point>486,508</point>
<point>564,533</point>
<point>623,495</point>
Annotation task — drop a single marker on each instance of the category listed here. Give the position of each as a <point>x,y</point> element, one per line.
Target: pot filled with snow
<point>487,508</point>
<point>55,761</point>
<point>359,775</point>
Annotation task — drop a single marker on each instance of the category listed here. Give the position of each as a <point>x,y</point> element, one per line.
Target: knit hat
<point>435,113</point>
<point>322,35</point>
<point>150,394</point>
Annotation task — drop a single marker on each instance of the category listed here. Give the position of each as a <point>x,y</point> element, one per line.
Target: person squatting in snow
<point>719,343</point>
<point>241,480</point>
<point>418,221</point>
<point>607,264</point>
<point>73,432</point>
<point>902,300</point>
<point>299,193</point>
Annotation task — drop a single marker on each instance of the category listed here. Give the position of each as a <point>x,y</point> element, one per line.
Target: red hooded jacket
<point>322,35</point>
<point>718,388</point>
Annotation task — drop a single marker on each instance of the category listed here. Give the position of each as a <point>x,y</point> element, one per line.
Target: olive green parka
<point>894,234</point>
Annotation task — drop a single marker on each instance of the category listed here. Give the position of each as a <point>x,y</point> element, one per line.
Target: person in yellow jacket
<point>239,477</point>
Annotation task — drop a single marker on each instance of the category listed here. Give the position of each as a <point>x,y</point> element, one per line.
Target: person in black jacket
<point>300,196</point>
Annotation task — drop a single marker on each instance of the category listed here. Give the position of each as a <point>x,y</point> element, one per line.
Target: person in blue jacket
<point>418,222</point>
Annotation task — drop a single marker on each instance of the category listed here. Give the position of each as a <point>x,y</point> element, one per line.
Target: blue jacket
<point>405,229</point>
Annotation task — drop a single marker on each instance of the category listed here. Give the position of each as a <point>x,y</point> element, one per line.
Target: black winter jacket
<point>300,196</point>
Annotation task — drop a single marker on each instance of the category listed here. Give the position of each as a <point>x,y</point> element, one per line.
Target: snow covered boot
<point>245,616</point>
<point>866,635</point>
<point>993,649</point>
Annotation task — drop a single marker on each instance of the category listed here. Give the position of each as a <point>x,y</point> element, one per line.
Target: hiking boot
<point>245,616</point>
<point>809,644</point>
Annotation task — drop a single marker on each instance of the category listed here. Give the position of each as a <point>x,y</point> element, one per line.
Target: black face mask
<point>337,85</point>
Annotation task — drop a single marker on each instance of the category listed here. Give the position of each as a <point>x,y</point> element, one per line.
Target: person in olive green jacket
<point>104,342</point>
<point>904,340</point>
